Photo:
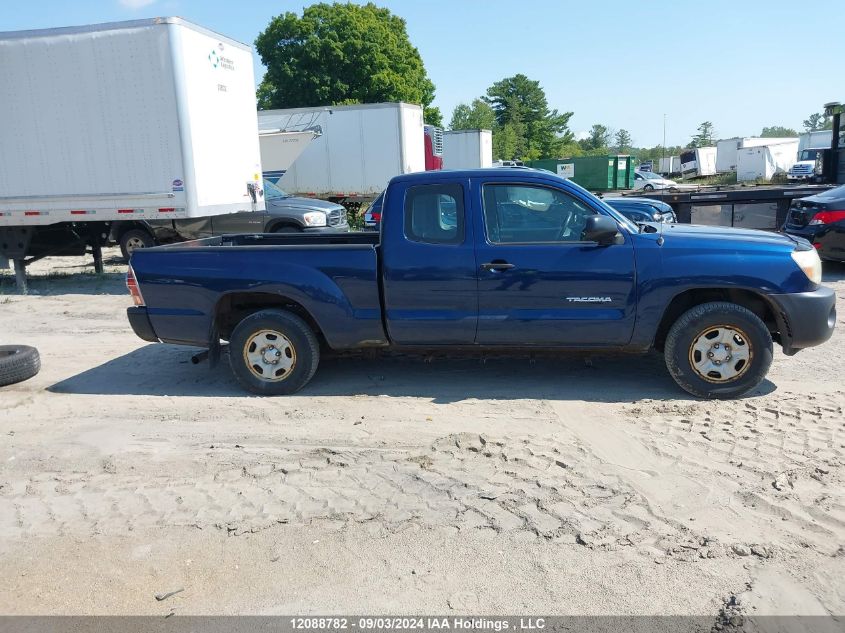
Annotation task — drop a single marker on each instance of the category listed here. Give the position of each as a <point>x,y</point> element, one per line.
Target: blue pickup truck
<point>491,259</point>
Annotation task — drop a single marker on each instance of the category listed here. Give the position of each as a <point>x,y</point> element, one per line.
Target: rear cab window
<point>434,214</point>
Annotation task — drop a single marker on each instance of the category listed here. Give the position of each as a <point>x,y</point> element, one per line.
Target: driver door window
<point>522,214</point>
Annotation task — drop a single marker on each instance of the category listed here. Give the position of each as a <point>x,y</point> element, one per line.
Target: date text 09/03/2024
<point>419,623</point>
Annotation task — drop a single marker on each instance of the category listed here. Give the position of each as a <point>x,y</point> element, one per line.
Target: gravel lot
<point>405,485</point>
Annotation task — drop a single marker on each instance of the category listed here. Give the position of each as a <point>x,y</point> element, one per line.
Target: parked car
<point>650,181</point>
<point>372,216</point>
<point>490,259</point>
<point>643,209</point>
<point>284,214</point>
<point>820,219</point>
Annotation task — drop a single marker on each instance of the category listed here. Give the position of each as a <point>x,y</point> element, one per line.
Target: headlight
<point>809,262</point>
<point>315,218</point>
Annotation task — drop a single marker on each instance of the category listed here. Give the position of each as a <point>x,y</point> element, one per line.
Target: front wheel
<point>648,188</point>
<point>718,350</point>
<point>273,352</point>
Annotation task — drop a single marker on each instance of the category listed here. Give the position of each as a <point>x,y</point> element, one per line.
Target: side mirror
<point>601,229</point>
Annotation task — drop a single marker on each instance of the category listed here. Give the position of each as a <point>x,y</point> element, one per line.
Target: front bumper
<point>140,322</point>
<point>340,228</point>
<point>805,319</point>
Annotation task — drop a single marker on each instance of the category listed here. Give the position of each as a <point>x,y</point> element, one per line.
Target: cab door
<point>539,283</point>
<point>428,264</point>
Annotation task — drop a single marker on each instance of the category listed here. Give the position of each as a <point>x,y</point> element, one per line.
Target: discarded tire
<point>18,363</point>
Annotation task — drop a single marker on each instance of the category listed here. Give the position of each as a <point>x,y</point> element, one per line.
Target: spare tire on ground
<point>18,363</point>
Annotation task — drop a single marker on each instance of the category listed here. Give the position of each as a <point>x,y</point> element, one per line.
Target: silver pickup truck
<point>285,214</point>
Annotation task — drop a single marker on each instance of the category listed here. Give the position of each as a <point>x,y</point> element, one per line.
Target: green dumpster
<point>596,173</point>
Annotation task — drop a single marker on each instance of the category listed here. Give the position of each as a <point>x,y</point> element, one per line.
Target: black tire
<point>133,239</point>
<point>301,347</point>
<point>696,325</point>
<point>18,363</point>
<point>287,228</point>
<point>648,188</point>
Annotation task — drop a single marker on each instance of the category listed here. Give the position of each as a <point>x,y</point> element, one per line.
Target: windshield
<point>621,219</point>
<point>809,154</point>
<point>650,175</point>
<point>272,192</point>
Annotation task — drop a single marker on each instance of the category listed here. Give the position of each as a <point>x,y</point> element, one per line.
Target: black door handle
<point>497,265</point>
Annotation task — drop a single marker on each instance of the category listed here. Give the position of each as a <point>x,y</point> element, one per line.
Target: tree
<point>477,116</point>
<point>623,141</point>
<point>341,53</point>
<point>705,136</point>
<point>598,139</point>
<point>778,131</point>
<point>520,105</point>
<point>817,121</point>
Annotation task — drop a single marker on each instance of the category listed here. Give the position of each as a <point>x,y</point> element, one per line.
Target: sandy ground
<point>398,485</point>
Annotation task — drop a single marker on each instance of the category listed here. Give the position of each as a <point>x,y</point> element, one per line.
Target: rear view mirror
<point>601,229</point>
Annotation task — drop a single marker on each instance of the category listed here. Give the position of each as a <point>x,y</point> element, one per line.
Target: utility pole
<point>664,140</point>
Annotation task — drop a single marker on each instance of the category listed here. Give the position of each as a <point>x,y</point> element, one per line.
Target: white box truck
<point>810,146</point>
<point>670,165</point>
<point>764,161</point>
<point>360,148</point>
<point>127,121</point>
<point>698,162</point>
<point>727,150</point>
<point>467,149</point>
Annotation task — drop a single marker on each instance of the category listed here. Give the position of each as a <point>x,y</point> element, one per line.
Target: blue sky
<point>742,64</point>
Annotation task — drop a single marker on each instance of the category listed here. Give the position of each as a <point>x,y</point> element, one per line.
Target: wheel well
<point>273,226</point>
<point>235,307</point>
<point>691,298</point>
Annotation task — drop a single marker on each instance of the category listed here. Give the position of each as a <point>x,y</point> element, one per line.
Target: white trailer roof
<point>115,26</point>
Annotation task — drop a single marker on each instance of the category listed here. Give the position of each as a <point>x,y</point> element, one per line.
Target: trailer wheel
<point>18,363</point>
<point>134,239</point>
<point>718,350</point>
<point>273,352</point>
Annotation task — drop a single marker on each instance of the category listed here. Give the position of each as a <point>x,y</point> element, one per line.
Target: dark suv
<point>285,214</point>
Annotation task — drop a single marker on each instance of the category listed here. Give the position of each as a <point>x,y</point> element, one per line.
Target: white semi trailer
<point>467,149</point>
<point>358,150</point>
<point>128,121</point>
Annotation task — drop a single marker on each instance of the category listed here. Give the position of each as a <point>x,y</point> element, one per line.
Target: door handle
<point>497,265</point>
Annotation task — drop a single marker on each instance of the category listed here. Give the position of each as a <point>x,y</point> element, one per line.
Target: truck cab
<point>805,167</point>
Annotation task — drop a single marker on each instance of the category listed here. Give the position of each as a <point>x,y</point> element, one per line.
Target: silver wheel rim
<point>720,354</point>
<point>269,355</point>
<point>134,243</point>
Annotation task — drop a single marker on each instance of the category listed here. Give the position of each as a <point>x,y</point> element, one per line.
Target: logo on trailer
<point>178,185</point>
<point>218,60</point>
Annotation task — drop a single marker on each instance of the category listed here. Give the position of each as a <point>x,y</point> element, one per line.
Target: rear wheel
<point>718,350</point>
<point>273,352</point>
<point>134,239</point>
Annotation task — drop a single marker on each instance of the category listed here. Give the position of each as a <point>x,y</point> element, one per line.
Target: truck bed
<point>334,275</point>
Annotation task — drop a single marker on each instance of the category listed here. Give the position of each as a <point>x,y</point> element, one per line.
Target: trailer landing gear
<point>26,245</point>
